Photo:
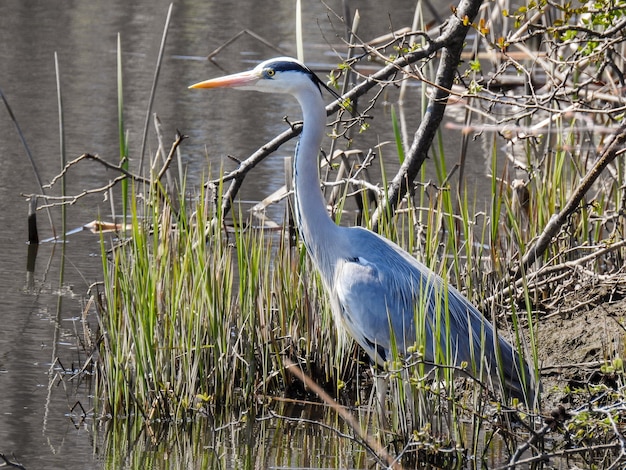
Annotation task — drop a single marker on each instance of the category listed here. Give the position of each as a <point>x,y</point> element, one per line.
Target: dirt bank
<point>577,342</point>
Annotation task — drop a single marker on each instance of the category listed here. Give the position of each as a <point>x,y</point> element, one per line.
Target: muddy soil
<point>577,341</point>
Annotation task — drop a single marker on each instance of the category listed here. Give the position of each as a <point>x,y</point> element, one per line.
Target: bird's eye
<point>270,72</point>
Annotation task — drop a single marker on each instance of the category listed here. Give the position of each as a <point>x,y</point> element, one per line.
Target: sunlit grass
<point>198,317</point>
<point>195,317</point>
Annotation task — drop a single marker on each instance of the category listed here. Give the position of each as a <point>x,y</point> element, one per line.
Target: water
<point>40,315</point>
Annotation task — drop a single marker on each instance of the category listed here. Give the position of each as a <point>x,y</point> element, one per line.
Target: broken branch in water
<point>10,464</point>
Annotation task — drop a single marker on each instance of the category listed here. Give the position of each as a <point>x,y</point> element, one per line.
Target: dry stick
<point>88,156</point>
<point>124,174</point>
<point>580,261</point>
<point>71,200</point>
<point>179,138</point>
<point>513,462</point>
<point>611,151</point>
<point>237,176</point>
<point>547,270</point>
<point>561,453</point>
<point>557,420</point>
<point>618,434</point>
<point>158,154</point>
<point>347,78</point>
<point>10,464</point>
<point>373,444</point>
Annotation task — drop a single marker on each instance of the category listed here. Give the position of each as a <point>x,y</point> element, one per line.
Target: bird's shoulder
<point>376,282</point>
<point>372,253</point>
<point>374,267</point>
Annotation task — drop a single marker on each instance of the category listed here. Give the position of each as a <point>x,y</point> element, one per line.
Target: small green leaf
<point>397,135</point>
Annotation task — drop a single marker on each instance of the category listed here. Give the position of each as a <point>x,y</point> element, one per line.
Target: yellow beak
<point>241,79</point>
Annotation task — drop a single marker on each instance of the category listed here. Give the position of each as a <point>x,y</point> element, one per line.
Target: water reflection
<point>235,441</point>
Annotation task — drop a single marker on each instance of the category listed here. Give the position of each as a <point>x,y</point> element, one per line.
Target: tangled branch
<point>119,168</point>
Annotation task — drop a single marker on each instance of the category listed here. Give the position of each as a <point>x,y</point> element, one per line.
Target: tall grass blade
<point>299,38</point>
<point>59,304</point>
<point>61,146</point>
<point>63,182</point>
<point>123,144</point>
<point>397,134</point>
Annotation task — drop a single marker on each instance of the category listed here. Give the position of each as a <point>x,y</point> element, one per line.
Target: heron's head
<point>280,75</point>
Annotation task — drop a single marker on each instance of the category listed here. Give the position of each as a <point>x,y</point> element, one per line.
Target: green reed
<point>195,317</point>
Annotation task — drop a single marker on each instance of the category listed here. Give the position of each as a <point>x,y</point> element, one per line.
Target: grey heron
<point>383,296</point>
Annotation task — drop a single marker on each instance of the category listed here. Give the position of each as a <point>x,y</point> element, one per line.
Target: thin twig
<point>70,200</point>
<point>179,139</point>
<point>96,158</point>
<point>531,278</point>
<point>561,453</point>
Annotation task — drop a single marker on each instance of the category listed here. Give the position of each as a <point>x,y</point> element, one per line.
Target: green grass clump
<point>194,316</point>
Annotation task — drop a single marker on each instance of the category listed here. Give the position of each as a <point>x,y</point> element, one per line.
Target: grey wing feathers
<point>382,286</point>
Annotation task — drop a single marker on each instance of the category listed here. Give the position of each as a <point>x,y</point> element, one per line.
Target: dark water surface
<point>38,338</point>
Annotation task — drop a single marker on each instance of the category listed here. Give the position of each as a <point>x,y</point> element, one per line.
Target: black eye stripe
<point>286,66</point>
<point>289,66</point>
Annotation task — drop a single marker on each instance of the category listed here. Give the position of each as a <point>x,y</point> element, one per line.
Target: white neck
<point>314,224</point>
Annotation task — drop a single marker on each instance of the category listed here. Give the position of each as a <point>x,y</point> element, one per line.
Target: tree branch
<point>612,150</point>
<point>452,40</point>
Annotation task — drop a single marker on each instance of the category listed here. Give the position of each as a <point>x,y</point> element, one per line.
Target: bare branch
<point>372,443</point>
<point>70,200</point>
<point>96,158</point>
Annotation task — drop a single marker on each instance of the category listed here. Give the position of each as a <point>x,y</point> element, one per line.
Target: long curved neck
<point>314,224</point>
